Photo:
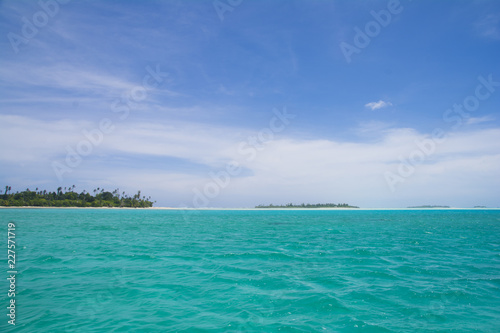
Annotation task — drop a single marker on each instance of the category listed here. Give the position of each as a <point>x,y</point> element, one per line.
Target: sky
<point>236,103</point>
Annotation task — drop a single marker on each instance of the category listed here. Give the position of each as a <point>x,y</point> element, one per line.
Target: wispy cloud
<point>378,105</point>
<point>66,77</point>
<point>479,120</point>
<point>372,127</point>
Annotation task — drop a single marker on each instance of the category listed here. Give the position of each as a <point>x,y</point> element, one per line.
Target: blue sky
<point>238,103</point>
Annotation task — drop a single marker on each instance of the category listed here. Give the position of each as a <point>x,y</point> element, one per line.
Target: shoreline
<point>247,209</point>
<point>43,207</point>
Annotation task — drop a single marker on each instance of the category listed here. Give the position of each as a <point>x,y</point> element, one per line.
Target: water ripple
<point>258,271</point>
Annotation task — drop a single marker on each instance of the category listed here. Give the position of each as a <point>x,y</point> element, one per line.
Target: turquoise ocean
<point>112,270</point>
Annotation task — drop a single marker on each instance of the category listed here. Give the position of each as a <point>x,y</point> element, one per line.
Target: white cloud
<point>479,120</point>
<point>462,170</point>
<point>377,105</point>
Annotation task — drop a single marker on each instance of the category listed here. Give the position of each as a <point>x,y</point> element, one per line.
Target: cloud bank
<point>172,160</point>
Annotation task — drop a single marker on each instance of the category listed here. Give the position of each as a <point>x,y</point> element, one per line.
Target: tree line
<point>67,197</point>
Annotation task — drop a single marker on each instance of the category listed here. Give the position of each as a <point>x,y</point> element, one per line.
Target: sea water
<point>253,271</point>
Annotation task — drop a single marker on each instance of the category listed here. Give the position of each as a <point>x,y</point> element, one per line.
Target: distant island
<point>70,198</point>
<point>326,205</point>
<point>429,206</point>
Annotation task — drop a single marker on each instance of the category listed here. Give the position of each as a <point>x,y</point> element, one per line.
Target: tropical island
<point>69,198</point>
<point>303,205</point>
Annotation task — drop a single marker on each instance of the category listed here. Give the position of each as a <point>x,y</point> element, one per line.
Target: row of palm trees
<point>68,197</point>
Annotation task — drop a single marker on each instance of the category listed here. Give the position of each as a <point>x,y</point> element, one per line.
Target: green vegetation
<point>290,205</point>
<point>69,198</point>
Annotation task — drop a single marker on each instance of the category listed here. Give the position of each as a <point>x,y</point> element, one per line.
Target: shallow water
<point>254,271</point>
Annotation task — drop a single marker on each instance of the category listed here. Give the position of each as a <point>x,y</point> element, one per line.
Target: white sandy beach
<point>249,209</point>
